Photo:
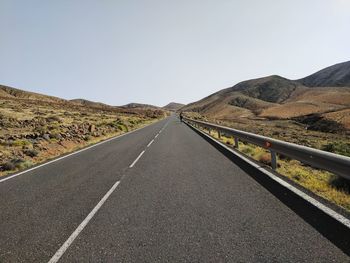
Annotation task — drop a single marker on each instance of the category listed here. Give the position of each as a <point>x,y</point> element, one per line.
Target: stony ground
<point>32,132</point>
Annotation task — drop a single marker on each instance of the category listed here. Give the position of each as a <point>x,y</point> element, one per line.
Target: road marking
<point>138,157</point>
<point>164,127</point>
<point>156,135</point>
<point>82,225</point>
<point>340,218</point>
<point>68,155</point>
<point>149,144</point>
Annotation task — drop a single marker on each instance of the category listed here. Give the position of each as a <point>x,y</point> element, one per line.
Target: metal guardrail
<point>334,163</point>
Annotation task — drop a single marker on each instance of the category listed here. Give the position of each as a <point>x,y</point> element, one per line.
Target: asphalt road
<point>178,200</point>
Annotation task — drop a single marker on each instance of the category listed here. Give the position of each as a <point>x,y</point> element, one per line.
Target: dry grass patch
<point>322,183</point>
<point>34,132</point>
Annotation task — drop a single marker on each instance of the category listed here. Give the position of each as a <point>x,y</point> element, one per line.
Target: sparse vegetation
<point>173,106</point>
<point>35,128</point>
<point>314,112</point>
<point>31,152</point>
<point>16,163</point>
<point>322,183</point>
<point>338,147</point>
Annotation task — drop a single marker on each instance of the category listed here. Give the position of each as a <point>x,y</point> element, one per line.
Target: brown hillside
<point>249,98</point>
<point>274,89</point>
<point>309,101</point>
<point>337,75</point>
<point>173,106</point>
<point>9,92</point>
<point>134,105</point>
<point>89,103</point>
<point>342,117</point>
<point>275,97</point>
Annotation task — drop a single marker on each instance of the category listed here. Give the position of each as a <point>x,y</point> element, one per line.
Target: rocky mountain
<point>88,103</point>
<point>337,75</point>
<point>275,97</point>
<point>173,106</point>
<point>9,92</point>
<point>18,94</point>
<point>134,105</point>
<point>246,98</point>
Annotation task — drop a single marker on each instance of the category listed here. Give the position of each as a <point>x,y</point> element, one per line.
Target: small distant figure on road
<point>181,116</point>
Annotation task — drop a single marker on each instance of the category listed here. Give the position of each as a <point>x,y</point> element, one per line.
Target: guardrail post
<point>219,134</point>
<point>273,160</point>
<point>236,142</point>
<point>331,162</point>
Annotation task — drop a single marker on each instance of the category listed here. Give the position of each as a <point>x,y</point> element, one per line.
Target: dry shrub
<point>265,158</point>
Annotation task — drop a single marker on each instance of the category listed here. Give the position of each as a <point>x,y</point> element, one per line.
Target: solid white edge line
<point>156,135</point>
<point>149,144</point>
<point>340,218</point>
<point>138,157</point>
<point>82,225</point>
<point>70,154</point>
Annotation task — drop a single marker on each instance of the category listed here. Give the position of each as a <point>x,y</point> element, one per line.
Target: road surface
<point>152,197</point>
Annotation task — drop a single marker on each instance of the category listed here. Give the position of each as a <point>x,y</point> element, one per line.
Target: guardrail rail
<point>334,163</point>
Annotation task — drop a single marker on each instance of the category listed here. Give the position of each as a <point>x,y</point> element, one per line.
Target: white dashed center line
<point>83,224</point>
<point>80,228</point>
<point>148,145</point>
<point>138,157</point>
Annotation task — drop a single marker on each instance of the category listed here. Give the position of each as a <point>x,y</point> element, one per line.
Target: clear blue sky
<point>157,51</point>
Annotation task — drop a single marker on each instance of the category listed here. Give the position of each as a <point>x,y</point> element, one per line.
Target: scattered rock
<point>8,166</point>
<point>46,136</point>
<point>56,136</point>
<point>31,152</point>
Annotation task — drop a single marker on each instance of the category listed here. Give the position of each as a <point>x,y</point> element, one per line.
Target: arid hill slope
<point>247,98</point>
<point>88,103</point>
<point>133,108</point>
<point>9,92</point>
<point>134,105</point>
<point>337,75</point>
<point>173,106</point>
<point>36,127</point>
<point>275,97</point>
